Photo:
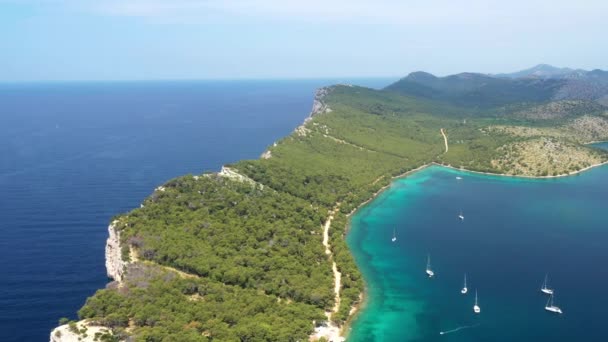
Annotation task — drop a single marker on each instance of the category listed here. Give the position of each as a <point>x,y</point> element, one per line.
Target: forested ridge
<point>218,258</point>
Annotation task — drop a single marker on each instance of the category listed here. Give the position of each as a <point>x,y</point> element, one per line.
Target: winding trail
<point>334,267</point>
<point>330,331</point>
<point>377,180</point>
<point>445,139</point>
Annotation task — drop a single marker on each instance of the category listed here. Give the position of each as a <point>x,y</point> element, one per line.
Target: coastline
<point>573,173</point>
<point>363,298</point>
<point>355,311</point>
<point>405,174</point>
<point>596,142</point>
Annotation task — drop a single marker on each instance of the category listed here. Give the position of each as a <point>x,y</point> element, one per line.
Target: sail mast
<point>429,272</point>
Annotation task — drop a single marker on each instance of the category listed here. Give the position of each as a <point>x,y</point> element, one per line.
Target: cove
<point>515,231</point>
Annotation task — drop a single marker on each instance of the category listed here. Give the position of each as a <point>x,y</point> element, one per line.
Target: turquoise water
<point>515,230</point>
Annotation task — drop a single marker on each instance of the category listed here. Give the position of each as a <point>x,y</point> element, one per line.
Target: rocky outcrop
<point>302,131</point>
<point>81,331</point>
<point>318,105</point>
<point>115,265</point>
<point>266,155</point>
<point>230,173</point>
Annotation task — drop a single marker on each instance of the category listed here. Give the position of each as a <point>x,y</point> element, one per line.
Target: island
<point>257,251</point>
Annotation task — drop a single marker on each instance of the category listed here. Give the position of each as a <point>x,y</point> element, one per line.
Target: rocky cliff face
<point>115,265</point>
<point>318,105</point>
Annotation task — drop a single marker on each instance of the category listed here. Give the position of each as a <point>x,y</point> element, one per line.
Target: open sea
<point>72,155</point>
<point>514,232</point>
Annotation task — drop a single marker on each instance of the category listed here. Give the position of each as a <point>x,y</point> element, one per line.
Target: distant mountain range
<point>544,71</point>
<point>542,83</point>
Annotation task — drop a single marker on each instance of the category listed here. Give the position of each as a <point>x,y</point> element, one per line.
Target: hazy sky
<point>201,39</point>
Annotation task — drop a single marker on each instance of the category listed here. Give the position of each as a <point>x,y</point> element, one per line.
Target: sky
<point>269,39</point>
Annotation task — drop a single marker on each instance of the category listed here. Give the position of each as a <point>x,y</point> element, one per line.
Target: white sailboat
<point>464,288</point>
<point>394,236</point>
<point>552,308</point>
<point>476,307</point>
<point>429,272</point>
<point>458,177</point>
<point>461,216</point>
<point>546,289</point>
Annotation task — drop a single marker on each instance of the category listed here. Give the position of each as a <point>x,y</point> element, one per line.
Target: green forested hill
<point>478,90</point>
<point>239,256</point>
<point>542,83</point>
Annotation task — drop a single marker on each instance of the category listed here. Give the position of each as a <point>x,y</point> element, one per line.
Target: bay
<point>515,231</point>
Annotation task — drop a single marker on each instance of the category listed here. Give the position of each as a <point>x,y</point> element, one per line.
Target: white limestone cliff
<point>115,265</point>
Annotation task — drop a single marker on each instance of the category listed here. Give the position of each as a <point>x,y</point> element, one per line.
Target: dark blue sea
<point>72,155</point>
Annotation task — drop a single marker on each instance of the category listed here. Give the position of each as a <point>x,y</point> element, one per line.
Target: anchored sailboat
<point>461,216</point>
<point>546,289</point>
<point>429,272</point>
<point>550,307</point>
<point>476,307</point>
<point>464,288</point>
<point>394,236</point>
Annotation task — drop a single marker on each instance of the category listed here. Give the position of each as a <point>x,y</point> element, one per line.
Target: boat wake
<point>457,329</point>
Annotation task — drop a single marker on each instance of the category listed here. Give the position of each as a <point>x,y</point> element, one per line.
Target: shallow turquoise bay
<point>515,230</point>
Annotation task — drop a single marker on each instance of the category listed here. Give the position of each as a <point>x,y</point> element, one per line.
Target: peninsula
<point>257,252</point>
